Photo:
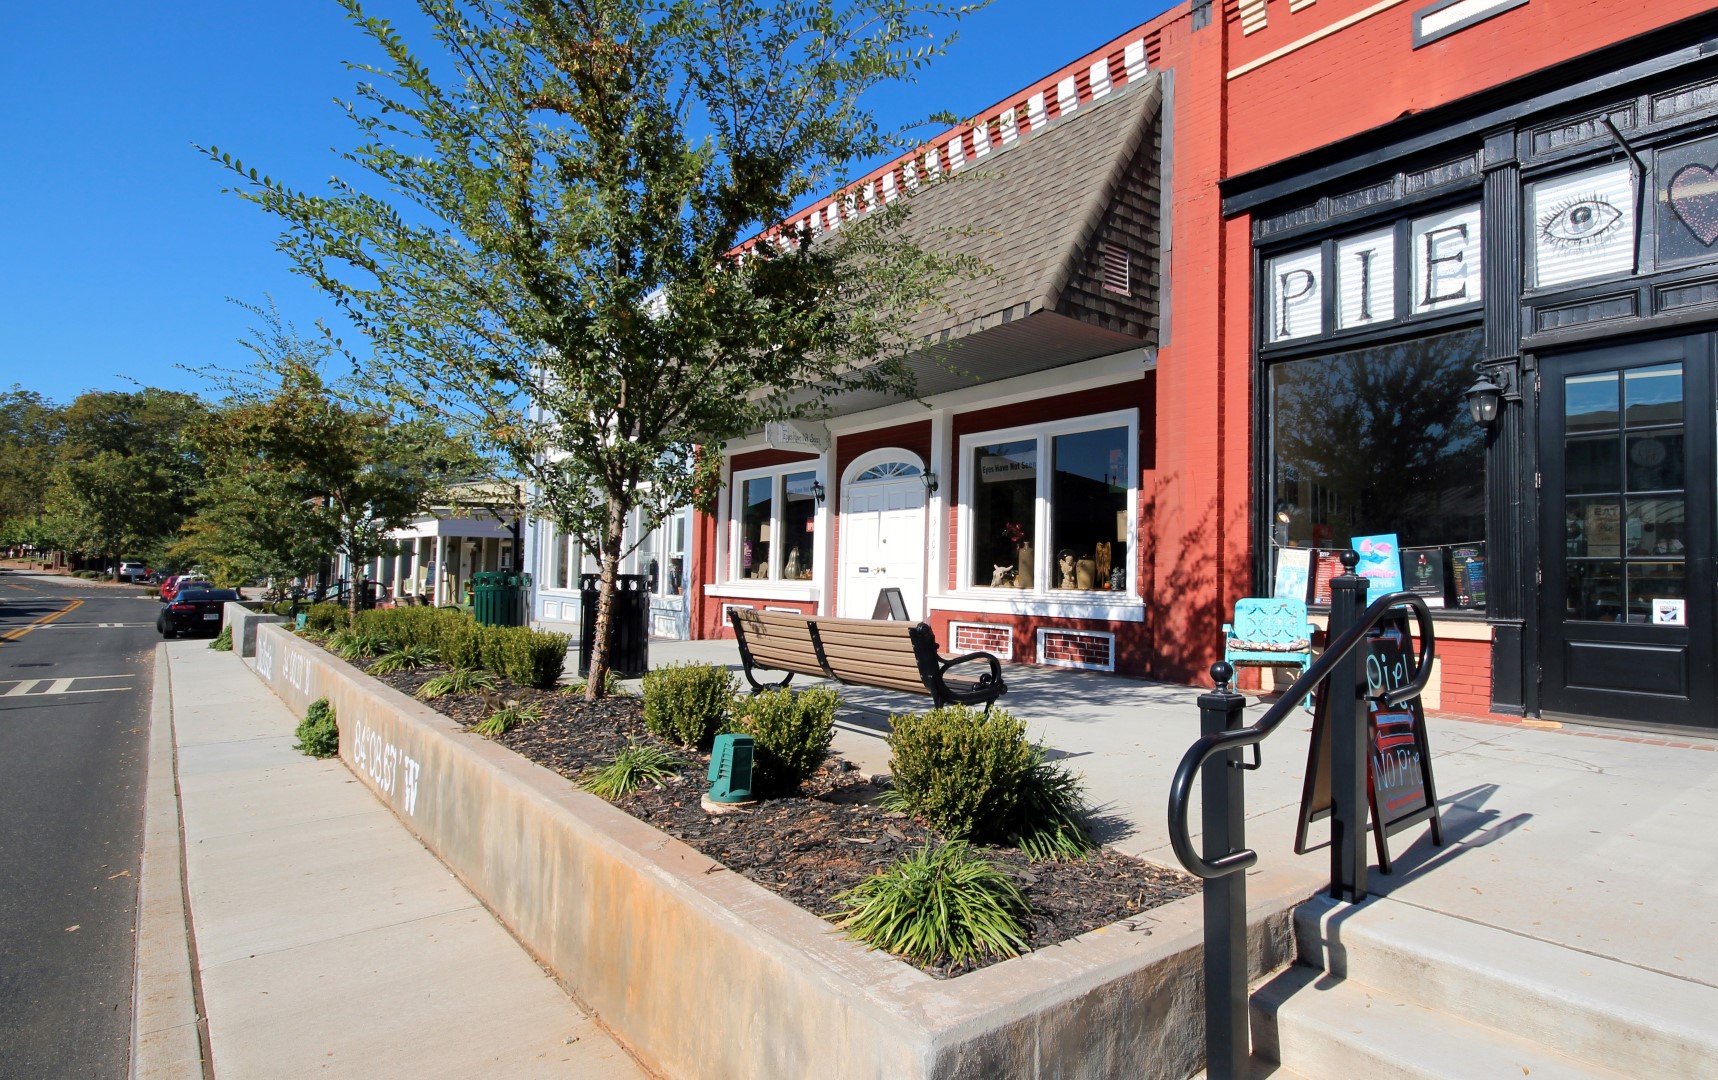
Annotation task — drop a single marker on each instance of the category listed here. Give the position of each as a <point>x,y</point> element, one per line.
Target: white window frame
<point>1039,599</point>
<point>733,583</point>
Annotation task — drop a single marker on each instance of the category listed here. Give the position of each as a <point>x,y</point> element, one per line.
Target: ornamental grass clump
<point>1052,820</point>
<point>688,704</point>
<point>405,658</point>
<point>960,769</point>
<point>357,645</point>
<point>630,770</point>
<point>457,681</point>
<point>318,734</point>
<point>940,904</point>
<point>501,721</point>
<point>223,641</point>
<point>791,732</point>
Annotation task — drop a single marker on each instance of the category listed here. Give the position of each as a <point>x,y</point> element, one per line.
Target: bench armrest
<point>986,688</point>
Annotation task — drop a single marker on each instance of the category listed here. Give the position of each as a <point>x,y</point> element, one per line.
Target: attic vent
<point>1116,263</point>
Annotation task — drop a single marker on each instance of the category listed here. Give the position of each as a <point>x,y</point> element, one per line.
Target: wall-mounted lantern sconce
<point>930,479</point>
<point>1484,399</point>
<point>817,491</point>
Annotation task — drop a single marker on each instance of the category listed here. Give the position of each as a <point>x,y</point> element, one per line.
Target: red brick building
<point>1269,248</point>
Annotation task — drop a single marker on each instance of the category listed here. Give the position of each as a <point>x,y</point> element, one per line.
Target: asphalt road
<point>76,662</point>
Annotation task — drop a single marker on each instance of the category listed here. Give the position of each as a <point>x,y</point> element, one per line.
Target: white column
<point>440,570</point>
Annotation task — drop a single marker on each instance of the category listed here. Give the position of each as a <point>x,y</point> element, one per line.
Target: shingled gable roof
<point>1036,211</point>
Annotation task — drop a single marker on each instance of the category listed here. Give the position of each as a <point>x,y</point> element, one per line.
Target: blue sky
<point>120,250</point>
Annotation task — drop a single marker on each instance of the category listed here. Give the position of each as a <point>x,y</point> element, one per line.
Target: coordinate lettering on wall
<point>386,766</point>
<point>1444,273</point>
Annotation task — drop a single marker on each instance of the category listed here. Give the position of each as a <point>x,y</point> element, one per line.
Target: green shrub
<point>960,769</point>
<point>942,903</point>
<point>325,618</point>
<point>353,645</point>
<point>223,641</point>
<point>409,658</point>
<point>457,681</point>
<point>459,642</point>
<point>790,732</point>
<point>688,703</point>
<point>528,657</point>
<point>630,770</point>
<point>318,735</point>
<point>501,721</point>
<point>408,627</point>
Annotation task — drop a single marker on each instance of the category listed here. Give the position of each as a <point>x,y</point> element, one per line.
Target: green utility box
<point>499,598</point>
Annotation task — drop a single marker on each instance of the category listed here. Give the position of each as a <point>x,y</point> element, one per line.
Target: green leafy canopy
<point>540,240</point>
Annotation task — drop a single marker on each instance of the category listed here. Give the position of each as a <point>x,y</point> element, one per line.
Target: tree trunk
<point>352,598</point>
<point>598,674</point>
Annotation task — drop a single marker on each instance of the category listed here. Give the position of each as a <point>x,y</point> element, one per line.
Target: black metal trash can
<point>629,624</point>
<point>500,598</point>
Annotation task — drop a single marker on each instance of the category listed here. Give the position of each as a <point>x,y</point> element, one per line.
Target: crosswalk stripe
<point>22,688</point>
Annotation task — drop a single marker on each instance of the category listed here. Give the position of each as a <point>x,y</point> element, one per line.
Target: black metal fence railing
<point>1217,761</point>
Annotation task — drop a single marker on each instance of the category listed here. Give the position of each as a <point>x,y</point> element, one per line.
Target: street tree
<point>303,467</point>
<point>539,237</point>
<point>30,431</point>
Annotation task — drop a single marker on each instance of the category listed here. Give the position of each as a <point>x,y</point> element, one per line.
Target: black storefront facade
<point>1553,244</point>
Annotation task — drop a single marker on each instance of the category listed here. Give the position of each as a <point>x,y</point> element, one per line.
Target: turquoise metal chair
<point>1269,633</point>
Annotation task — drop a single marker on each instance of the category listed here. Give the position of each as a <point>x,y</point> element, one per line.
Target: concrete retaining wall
<point>706,974</point>
<point>243,617</point>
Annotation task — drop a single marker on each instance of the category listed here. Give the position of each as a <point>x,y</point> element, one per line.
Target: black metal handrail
<point>1216,759</point>
<point>1208,746</point>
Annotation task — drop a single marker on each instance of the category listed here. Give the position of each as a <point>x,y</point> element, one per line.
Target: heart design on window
<point>1694,196</point>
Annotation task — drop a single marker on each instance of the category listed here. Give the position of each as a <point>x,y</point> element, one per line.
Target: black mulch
<point>809,847</point>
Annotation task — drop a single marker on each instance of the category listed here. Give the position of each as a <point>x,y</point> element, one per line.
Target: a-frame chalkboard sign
<point>1399,787</point>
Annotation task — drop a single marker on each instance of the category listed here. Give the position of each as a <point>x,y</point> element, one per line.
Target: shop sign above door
<point>1443,272</point>
<point>796,435</point>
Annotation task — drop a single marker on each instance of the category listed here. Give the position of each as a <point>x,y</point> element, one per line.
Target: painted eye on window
<point>1586,220</point>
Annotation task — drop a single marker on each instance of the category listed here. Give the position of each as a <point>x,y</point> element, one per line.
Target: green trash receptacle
<point>500,598</point>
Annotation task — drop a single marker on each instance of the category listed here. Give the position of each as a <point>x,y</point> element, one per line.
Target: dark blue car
<point>194,611</point>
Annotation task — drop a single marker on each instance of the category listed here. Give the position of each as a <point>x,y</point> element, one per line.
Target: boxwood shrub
<point>688,704</point>
<point>790,732</point>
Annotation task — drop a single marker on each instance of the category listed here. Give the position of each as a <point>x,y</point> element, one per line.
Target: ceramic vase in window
<point>1023,566</point>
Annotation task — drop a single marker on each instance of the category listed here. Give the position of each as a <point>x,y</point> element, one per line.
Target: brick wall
<point>1070,648</point>
<point>1464,677</point>
<point>996,638</point>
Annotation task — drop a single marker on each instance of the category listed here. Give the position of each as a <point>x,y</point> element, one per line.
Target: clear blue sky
<point>119,248</point>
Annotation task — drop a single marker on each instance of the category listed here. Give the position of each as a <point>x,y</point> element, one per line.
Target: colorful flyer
<point>1379,564</point>
<point>1294,570</point>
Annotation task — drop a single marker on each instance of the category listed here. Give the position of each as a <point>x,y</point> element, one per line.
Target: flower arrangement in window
<point>1015,533</point>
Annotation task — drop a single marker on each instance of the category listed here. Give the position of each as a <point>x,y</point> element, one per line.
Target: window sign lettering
<point>1297,295</point>
<point>1583,225</point>
<point>1446,260</point>
<point>1366,279</point>
<point>1014,463</point>
<point>1686,178</point>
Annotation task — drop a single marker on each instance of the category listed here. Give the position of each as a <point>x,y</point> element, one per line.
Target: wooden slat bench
<point>863,652</point>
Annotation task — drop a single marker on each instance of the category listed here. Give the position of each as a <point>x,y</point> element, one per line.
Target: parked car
<point>172,585</point>
<point>132,571</point>
<point>193,610</point>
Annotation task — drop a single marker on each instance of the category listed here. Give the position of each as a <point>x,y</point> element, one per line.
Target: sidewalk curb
<point>166,1038</point>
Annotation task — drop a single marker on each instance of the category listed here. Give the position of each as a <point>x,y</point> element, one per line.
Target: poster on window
<point>1423,574</point>
<point>1467,565</point>
<point>1294,570</point>
<point>1583,225</point>
<point>1379,564</point>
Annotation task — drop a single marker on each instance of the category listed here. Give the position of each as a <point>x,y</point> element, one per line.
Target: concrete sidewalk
<point>1588,838</point>
<point>326,939</point>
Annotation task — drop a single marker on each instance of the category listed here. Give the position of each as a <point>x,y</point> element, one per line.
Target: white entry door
<point>882,545</point>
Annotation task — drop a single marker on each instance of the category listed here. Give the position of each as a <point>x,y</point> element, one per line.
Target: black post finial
<point>1350,559</point>
<point>1222,673</point>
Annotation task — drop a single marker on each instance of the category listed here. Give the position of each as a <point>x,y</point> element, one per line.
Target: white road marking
<point>56,687</point>
<point>22,688</point>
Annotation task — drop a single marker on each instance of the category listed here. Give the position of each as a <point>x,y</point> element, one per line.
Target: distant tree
<point>544,246</point>
<point>303,468</point>
<point>127,466</point>
<point>30,431</point>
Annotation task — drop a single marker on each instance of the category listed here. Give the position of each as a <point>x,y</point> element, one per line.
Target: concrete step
<point>1639,1022</point>
<point>1339,1028</point>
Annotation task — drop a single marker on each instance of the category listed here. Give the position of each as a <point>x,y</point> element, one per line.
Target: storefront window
<point>1088,509</point>
<point>1378,442</point>
<point>756,529</point>
<point>1004,513</point>
<point>777,513</point>
<point>1061,528</point>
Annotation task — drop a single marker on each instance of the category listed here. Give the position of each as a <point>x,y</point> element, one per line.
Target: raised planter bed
<point>706,974</point>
